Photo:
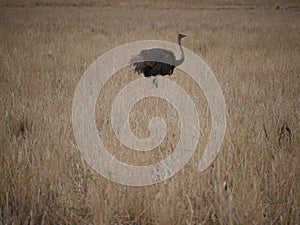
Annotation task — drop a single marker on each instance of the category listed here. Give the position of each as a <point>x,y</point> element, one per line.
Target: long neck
<point>180,61</point>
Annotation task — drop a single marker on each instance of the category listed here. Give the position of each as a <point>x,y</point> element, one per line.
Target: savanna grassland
<point>253,48</point>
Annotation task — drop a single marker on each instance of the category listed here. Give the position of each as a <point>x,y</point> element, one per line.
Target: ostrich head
<point>180,36</point>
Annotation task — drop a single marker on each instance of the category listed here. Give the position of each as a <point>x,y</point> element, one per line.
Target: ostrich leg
<point>155,83</point>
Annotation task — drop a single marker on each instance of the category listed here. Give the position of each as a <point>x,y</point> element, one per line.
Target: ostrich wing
<point>158,55</point>
<point>166,69</point>
<point>156,69</point>
<point>152,62</point>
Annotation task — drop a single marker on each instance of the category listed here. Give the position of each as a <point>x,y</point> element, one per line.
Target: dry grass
<point>255,55</point>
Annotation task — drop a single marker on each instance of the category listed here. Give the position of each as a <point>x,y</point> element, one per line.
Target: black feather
<point>147,62</point>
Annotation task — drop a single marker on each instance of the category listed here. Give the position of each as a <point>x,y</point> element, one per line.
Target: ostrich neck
<point>180,61</point>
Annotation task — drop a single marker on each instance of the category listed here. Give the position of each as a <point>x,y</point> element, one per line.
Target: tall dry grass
<point>255,57</point>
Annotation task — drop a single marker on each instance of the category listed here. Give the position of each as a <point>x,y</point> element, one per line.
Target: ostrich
<point>148,65</point>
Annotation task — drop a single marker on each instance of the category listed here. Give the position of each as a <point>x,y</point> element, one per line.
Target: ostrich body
<point>146,61</point>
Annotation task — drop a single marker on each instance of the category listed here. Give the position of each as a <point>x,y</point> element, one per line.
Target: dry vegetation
<point>254,52</point>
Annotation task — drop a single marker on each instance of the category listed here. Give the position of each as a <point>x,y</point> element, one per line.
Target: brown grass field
<point>253,49</point>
